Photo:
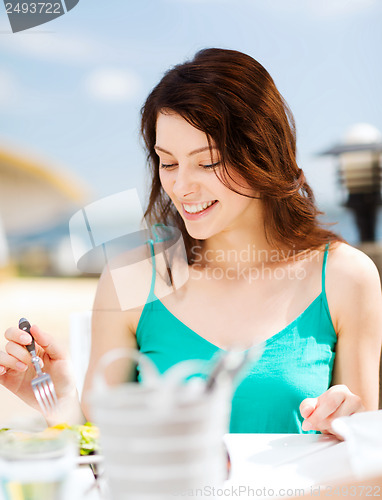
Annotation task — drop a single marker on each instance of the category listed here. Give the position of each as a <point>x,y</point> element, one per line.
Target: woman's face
<point>187,170</point>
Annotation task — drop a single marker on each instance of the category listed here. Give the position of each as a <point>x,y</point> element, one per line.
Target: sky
<point>71,90</point>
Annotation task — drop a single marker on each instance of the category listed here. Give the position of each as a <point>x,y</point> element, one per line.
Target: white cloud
<point>45,46</point>
<point>111,84</point>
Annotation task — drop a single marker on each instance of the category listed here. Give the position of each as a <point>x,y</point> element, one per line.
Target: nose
<point>185,182</point>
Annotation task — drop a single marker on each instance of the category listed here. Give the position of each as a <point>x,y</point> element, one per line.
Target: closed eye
<point>211,165</point>
<point>168,165</point>
<point>171,165</point>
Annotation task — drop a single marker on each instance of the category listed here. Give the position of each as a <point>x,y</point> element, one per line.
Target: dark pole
<point>365,209</point>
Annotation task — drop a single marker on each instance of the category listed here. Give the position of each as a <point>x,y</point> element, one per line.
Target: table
<point>262,466</point>
<point>275,465</point>
<point>283,464</point>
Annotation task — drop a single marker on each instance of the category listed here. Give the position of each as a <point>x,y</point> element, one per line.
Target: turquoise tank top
<point>297,362</point>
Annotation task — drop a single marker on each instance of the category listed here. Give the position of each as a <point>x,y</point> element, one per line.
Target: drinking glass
<point>35,467</point>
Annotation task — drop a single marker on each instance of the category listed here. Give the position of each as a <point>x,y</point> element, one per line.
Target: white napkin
<point>362,433</point>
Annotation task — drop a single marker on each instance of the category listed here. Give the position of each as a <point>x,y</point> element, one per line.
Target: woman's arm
<point>111,328</point>
<point>355,302</point>
<point>359,330</point>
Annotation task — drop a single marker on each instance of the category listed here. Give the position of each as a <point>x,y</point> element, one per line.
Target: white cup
<point>164,437</point>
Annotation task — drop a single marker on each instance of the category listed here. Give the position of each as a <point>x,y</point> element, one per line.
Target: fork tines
<point>42,385</point>
<point>45,393</point>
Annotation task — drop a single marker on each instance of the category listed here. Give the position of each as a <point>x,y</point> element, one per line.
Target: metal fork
<point>42,385</point>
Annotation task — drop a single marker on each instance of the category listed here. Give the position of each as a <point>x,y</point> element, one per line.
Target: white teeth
<point>193,209</point>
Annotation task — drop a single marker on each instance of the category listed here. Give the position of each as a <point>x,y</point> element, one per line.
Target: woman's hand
<point>17,372</point>
<point>319,413</point>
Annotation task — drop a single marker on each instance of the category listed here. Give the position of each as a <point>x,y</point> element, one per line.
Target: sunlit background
<point>71,90</point>
<point>70,98</point>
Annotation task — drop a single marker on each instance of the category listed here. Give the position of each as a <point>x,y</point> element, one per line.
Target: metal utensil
<point>42,385</point>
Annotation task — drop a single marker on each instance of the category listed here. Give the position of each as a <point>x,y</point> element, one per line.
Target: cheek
<point>240,185</point>
<point>239,203</point>
<point>167,183</point>
<point>164,180</point>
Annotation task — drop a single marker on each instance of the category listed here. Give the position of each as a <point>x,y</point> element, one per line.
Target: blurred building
<point>36,202</point>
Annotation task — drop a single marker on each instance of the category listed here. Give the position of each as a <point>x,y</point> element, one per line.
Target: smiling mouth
<point>198,208</point>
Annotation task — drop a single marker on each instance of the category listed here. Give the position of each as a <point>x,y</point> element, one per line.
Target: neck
<point>231,248</point>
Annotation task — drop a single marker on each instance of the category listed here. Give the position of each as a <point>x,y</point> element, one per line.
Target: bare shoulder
<point>352,280</point>
<point>350,266</point>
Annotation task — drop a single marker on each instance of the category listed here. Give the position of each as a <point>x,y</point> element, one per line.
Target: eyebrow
<point>194,152</point>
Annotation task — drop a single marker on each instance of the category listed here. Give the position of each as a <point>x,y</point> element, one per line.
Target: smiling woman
<point>222,149</point>
<point>262,269</point>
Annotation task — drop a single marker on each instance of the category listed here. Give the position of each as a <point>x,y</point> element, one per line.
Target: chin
<point>198,234</point>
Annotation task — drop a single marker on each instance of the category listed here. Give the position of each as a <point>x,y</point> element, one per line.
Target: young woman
<point>222,150</point>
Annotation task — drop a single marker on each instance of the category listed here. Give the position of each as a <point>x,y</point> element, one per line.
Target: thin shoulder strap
<point>324,267</point>
<point>152,287</point>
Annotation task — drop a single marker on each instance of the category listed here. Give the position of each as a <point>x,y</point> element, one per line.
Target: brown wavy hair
<point>231,97</point>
